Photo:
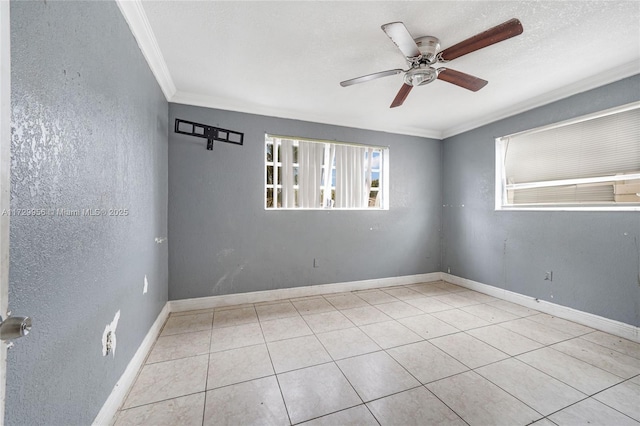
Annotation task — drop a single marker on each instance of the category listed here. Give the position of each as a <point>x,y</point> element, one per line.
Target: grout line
<point>206,379</point>
<point>162,400</point>
<point>273,367</point>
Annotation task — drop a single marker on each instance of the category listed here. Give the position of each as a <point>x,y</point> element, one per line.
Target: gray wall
<point>594,256</point>
<point>223,241</point>
<point>89,131</point>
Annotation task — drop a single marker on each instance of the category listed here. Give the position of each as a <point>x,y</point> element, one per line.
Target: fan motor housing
<point>428,47</point>
<point>420,76</point>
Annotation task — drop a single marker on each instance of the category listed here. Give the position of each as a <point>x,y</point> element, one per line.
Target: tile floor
<point>422,354</point>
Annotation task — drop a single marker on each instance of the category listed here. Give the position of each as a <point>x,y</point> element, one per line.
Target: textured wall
<point>594,256</point>
<point>89,131</point>
<point>223,241</point>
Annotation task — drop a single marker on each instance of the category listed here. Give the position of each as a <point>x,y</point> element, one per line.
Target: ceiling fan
<point>422,53</point>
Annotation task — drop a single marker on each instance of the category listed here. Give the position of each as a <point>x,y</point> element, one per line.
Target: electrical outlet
<point>316,263</point>
<point>548,276</point>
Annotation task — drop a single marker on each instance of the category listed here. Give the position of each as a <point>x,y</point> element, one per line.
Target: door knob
<point>14,327</point>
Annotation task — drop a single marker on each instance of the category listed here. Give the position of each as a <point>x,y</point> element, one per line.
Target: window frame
<point>501,196</point>
<point>383,169</point>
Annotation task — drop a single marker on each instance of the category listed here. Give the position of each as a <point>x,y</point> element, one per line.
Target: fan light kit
<point>423,52</point>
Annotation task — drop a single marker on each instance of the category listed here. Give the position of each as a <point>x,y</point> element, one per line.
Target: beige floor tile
<point>232,317</point>
<point>468,350</point>
<point>636,380</point>
<point>455,300</point>
<point>349,342</point>
<point>180,346</point>
<point>258,402</point>
<point>536,331</point>
<point>399,309</point>
<point>539,391</point>
<point>276,311</point>
<point>390,333</point>
<point>427,326</point>
<point>578,374</point>
<point>345,301</point>
<point>356,416</point>
<point>604,358</point>
<point>233,307</point>
<point>375,297</point>
<point>187,323</point>
<point>624,397</point>
<point>237,336</point>
<point>238,365</point>
<point>169,379</point>
<point>543,422</point>
<point>413,407</point>
<point>186,410</point>
<point>460,319</point>
<point>616,343</point>
<point>428,289</point>
<point>315,391</point>
<point>449,287</point>
<point>285,328</point>
<point>402,293</point>
<point>365,315</point>
<point>505,340</point>
<point>299,352</point>
<point>328,321</point>
<point>513,308</point>
<point>477,296</point>
<point>480,402</point>
<point>489,313</point>
<point>429,304</point>
<point>314,305</point>
<point>591,412</point>
<point>376,375</point>
<point>196,312</point>
<point>426,362</point>
<point>563,325</point>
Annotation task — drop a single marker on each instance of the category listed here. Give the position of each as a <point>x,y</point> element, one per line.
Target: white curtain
<point>286,158</point>
<point>351,186</point>
<point>310,156</point>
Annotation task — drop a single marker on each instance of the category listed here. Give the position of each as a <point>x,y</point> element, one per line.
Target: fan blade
<point>499,33</point>
<point>399,34</point>
<point>370,77</point>
<point>401,96</point>
<point>461,79</point>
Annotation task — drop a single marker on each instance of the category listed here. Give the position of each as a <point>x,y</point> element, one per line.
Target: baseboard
<point>607,325</point>
<point>107,414</point>
<point>289,293</point>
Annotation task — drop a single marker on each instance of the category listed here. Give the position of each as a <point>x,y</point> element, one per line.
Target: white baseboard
<point>607,325</point>
<point>289,293</point>
<point>107,414</point>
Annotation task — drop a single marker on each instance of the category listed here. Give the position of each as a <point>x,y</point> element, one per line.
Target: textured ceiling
<point>286,59</point>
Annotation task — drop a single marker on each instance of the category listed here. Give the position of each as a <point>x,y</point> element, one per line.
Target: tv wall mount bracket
<point>209,133</point>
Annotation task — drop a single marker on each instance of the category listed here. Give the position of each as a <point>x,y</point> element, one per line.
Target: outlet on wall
<point>548,276</point>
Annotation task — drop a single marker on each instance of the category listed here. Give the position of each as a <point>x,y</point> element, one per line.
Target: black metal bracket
<point>210,133</point>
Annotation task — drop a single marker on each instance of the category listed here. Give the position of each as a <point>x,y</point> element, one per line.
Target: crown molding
<point>217,103</point>
<point>136,17</point>
<point>610,76</point>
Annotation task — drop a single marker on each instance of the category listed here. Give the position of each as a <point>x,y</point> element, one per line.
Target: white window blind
<point>314,174</point>
<point>592,160</point>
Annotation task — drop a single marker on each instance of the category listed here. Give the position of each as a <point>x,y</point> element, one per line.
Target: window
<point>313,174</point>
<point>588,163</point>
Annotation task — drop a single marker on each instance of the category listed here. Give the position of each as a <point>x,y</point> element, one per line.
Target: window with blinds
<point>588,163</point>
<point>315,174</point>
